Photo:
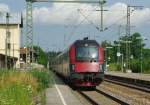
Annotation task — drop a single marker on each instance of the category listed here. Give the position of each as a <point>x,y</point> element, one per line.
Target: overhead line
<point>77,25</point>
<point>65,1</point>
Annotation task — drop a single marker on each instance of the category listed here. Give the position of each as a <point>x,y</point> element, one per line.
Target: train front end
<point>86,63</point>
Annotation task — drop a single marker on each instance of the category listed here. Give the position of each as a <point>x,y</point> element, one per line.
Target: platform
<point>60,94</point>
<point>138,76</point>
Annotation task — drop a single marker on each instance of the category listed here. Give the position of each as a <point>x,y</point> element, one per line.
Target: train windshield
<point>87,53</point>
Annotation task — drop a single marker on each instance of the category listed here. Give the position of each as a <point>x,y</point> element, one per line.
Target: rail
<point>107,95</point>
<point>141,85</point>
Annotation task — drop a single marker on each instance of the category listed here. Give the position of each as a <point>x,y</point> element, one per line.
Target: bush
<point>136,66</point>
<point>43,78</point>
<point>146,66</point>
<point>114,67</point>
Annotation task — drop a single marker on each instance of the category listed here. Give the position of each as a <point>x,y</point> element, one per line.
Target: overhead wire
<point>92,23</point>
<point>120,19</point>
<point>76,26</point>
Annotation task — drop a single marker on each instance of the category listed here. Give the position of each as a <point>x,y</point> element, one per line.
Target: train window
<point>86,53</point>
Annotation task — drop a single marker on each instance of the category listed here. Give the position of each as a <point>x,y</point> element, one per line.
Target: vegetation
<point>20,88</point>
<point>43,78</point>
<point>41,56</point>
<point>136,49</point>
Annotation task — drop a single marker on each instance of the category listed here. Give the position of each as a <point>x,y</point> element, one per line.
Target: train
<point>82,64</point>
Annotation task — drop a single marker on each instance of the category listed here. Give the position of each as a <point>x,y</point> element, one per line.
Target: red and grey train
<point>82,64</point>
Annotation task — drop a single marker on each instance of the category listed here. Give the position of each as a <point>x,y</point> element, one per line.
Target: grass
<point>15,95</point>
<point>43,78</point>
<point>43,98</point>
<point>19,88</point>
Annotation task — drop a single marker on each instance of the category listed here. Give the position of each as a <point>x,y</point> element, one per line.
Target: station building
<point>13,32</point>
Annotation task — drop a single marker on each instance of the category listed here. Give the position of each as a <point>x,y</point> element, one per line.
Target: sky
<point>56,26</point>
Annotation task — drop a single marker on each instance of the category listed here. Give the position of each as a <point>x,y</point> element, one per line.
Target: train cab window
<point>87,53</point>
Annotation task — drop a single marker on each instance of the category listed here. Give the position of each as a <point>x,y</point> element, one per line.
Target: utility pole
<point>7,41</point>
<point>128,34</point>
<point>29,34</point>
<point>13,54</point>
<point>101,5</point>
<point>118,46</point>
<point>127,38</point>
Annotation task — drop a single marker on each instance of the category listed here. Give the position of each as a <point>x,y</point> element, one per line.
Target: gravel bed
<point>132,96</point>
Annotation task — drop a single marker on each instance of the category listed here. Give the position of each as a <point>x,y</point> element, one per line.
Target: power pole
<point>7,42</point>
<point>118,46</point>
<point>128,34</point>
<point>101,5</point>
<point>29,34</point>
<point>13,54</point>
<point>127,38</point>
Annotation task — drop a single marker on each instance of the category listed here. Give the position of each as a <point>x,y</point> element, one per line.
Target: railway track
<point>100,97</point>
<point>128,94</point>
<point>97,96</point>
<point>126,83</point>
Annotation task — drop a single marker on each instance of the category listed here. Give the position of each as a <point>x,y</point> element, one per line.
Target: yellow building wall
<point>14,41</point>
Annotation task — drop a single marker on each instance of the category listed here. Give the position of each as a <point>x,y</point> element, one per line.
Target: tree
<point>109,51</point>
<point>136,46</point>
<point>41,56</point>
<point>135,41</point>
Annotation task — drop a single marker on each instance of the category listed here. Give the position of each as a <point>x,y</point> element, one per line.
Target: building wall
<point>14,40</point>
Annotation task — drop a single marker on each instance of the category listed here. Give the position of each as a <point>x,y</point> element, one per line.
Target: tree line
<point>132,47</point>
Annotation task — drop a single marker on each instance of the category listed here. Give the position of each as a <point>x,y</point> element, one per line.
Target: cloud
<point>59,13</point>
<point>118,14</point>
<point>4,8</point>
<point>69,14</point>
<point>14,17</point>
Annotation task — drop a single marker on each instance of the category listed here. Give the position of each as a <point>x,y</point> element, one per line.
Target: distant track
<point>127,83</point>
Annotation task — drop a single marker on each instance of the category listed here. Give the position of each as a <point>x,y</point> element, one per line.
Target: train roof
<point>83,42</point>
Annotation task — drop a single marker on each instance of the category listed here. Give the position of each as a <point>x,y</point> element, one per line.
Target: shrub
<point>114,67</point>
<point>43,78</point>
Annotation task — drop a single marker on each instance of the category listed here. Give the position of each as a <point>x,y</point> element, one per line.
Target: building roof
<point>23,50</point>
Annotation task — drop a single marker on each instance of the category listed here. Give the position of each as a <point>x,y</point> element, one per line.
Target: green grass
<point>19,87</point>
<point>15,94</point>
<point>43,78</point>
<point>43,98</point>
